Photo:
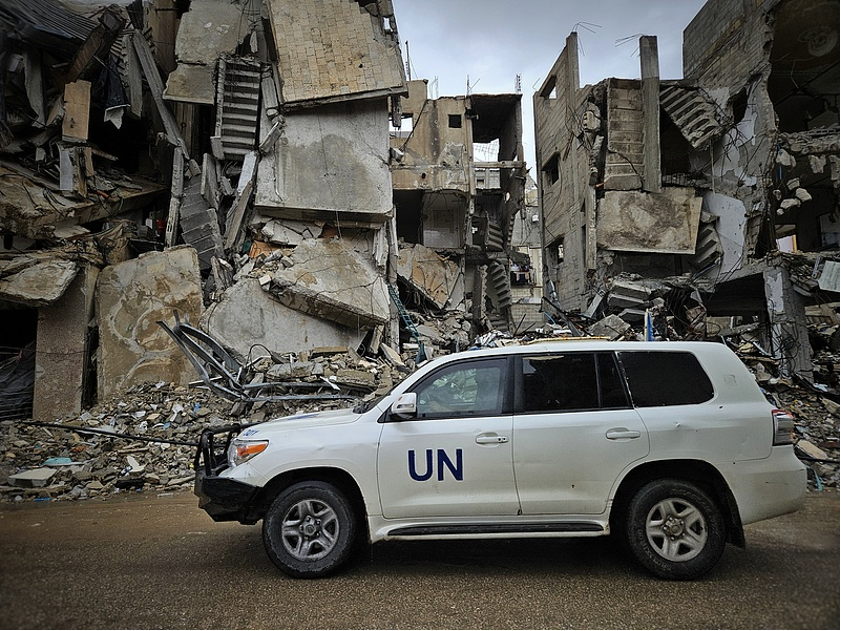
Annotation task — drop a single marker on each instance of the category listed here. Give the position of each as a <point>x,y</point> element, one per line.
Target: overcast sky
<point>493,41</point>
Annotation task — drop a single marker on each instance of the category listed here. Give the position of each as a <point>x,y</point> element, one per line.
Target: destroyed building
<point>225,161</point>
<point>712,199</point>
<point>459,179</point>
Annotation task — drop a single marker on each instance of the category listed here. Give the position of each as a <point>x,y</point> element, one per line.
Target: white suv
<point>669,444</point>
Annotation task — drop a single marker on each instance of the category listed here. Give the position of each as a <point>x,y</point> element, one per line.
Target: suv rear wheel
<point>674,529</point>
<point>309,530</point>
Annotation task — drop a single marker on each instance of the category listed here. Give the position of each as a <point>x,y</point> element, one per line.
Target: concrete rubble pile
<point>47,462</point>
<point>146,437</point>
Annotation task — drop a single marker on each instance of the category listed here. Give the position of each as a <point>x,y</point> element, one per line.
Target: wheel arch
<point>698,472</point>
<point>339,478</point>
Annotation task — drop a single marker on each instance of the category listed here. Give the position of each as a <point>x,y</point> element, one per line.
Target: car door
<point>453,457</point>
<point>574,432</point>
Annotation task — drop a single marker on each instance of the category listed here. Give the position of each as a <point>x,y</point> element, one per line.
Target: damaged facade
<point>224,160</point>
<point>711,200</point>
<point>459,181</point>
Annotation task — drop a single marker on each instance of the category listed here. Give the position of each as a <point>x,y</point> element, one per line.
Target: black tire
<point>674,530</point>
<point>309,530</point>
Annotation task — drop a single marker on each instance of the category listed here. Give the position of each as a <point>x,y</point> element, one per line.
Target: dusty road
<point>160,562</point>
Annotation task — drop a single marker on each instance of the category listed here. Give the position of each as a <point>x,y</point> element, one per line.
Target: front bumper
<point>222,498</point>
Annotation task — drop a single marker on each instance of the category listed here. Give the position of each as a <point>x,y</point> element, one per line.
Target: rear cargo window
<point>665,378</point>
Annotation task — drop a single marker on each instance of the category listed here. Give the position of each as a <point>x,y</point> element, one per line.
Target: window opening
<point>552,170</point>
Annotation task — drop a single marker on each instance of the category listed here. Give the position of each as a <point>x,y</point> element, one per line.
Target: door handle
<point>491,439</point>
<point>622,433</point>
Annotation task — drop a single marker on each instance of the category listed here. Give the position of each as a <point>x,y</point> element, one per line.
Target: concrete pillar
<point>650,73</point>
<point>787,316</point>
<point>572,85</point>
<point>63,350</point>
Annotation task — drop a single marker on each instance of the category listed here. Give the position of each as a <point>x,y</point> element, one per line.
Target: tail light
<point>783,427</point>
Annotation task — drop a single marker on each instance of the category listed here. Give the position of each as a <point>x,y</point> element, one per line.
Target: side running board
<point>484,529</point>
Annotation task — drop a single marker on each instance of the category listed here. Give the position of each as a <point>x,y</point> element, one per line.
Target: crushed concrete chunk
<point>612,327</point>
<point>34,478</point>
<point>330,280</point>
<point>811,450</point>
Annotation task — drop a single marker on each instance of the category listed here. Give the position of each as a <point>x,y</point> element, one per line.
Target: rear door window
<point>571,381</point>
<point>658,378</point>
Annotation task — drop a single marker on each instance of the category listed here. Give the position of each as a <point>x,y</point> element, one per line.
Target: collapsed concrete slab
<point>436,278</point>
<point>32,478</point>
<point>288,232</point>
<point>36,279</point>
<point>35,207</point>
<point>209,28</point>
<point>612,327</point>
<point>626,293</point>
<point>330,280</point>
<point>131,298</point>
<point>331,163</point>
<point>635,221</point>
<point>247,316</point>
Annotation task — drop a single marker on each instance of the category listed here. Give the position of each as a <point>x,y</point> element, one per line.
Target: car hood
<point>301,421</point>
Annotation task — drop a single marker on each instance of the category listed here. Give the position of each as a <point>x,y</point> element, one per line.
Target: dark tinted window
<point>474,388</point>
<point>611,385</point>
<point>571,382</point>
<point>663,378</point>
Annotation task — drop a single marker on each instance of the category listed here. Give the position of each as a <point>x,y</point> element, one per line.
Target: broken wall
<point>563,161</point>
<point>775,64</point>
<point>724,43</point>
<point>131,298</point>
<point>335,50</point>
<point>636,221</point>
<point>436,154</point>
<point>730,221</point>
<point>209,29</point>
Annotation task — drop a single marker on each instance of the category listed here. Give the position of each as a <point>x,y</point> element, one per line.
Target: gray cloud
<point>492,41</point>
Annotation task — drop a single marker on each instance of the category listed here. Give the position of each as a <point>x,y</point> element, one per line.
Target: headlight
<point>242,451</point>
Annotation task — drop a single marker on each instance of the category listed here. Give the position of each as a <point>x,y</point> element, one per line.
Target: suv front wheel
<point>674,529</point>
<point>309,530</point>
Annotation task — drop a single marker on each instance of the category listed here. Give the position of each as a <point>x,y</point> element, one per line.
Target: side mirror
<point>406,404</point>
